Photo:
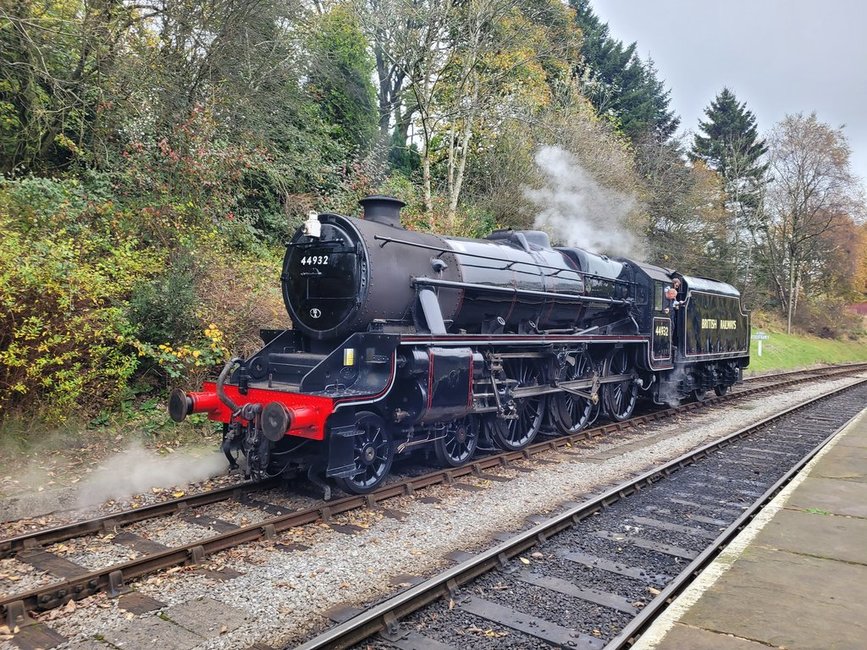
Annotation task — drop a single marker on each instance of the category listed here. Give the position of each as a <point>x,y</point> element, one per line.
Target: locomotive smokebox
<point>382,209</point>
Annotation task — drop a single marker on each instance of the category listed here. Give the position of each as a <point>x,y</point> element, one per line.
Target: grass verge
<point>786,351</point>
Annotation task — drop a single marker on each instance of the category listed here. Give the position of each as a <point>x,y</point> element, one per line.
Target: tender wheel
<point>373,454</point>
<point>720,389</point>
<point>619,397</point>
<point>569,412</point>
<point>517,433</point>
<point>459,442</point>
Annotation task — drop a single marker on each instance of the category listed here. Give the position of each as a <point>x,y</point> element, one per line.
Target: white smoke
<point>577,211</point>
<point>669,393</point>
<point>137,469</point>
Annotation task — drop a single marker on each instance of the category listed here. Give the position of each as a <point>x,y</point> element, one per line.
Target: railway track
<point>76,582</point>
<point>613,562</point>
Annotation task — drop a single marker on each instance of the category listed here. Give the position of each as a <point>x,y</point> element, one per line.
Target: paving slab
<point>139,603</point>
<point>856,436</point>
<point>815,533</point>
<point>206,617</point>
<point>20,506</point>
<point>833,495</point>
<point>855,439</point>
<point>842,463</point>
<point>782,599</point>
<point>694,638</point>
<point>152,632</point>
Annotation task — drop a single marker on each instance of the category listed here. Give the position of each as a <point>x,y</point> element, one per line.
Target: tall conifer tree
<point>619,84</point>
<point>729,143</point>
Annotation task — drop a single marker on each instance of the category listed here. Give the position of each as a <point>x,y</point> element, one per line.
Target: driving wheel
<point>570,412</point>
<point>373,453</point>
<point>620,396</point>
<point>517,432</point>
<point>458,443</point>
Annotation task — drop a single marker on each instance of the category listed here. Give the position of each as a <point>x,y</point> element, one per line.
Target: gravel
<point>17,576</point>
<point>168,531</point>
<point>92,554</point>
<point>284,592</point>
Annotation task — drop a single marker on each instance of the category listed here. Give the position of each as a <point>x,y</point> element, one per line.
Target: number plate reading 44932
<point>314,260</point>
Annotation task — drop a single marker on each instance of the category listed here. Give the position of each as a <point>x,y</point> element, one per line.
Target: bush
<point>829,319</point>
<point>162,309</point>
<point>469,221</point>
<point>207,305</point>
<point>66,268</point>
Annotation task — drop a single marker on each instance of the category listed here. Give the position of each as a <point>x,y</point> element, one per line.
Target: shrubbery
<point>829,319</point>
<point>99,288</point>
<point>66,269</point>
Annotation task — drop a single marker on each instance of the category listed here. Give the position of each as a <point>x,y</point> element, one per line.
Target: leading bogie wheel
<point>373,453</point>
<point>458,443</point>
<point>619,397</point>
<point>516,433</point>
<point>570,412</point>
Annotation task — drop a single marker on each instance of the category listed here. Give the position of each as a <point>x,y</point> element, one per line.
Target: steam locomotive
<point>406,340</point>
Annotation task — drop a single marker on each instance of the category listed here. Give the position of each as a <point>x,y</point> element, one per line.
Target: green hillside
<point>784,351</point>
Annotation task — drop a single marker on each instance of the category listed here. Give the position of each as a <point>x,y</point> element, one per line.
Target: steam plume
<point>576,210</point>
<point>138,470</point>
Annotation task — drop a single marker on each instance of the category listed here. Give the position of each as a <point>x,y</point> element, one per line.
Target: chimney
<point>382,209</point>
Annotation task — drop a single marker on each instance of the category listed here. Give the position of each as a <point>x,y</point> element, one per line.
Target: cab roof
<point>693,282</point>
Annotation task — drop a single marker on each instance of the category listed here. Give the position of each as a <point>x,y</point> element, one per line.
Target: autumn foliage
<point>156,156</point>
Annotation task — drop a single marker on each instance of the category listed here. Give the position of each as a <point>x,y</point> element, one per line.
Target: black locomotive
<point>406,340</point>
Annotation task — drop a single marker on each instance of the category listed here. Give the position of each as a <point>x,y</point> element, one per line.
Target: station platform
<point>796,577</point>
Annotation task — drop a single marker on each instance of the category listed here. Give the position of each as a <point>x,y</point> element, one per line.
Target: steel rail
<point>842,367</point>
<point>385,615</point>
<point>113,578</point>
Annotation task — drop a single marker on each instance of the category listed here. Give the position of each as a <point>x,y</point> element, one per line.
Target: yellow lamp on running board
<point>349,356</point>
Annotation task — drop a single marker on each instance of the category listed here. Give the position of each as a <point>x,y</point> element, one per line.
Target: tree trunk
<point>451,169</point>
<point>798,280</point>
<point>790,311</point>
<point>462,165</point>
<point>386,81</point>
<point>425,175</point>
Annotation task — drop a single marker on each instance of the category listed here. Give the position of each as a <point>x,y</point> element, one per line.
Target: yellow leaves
<point>488,633</point>
<point>6,632</point>
<point>65,141</point>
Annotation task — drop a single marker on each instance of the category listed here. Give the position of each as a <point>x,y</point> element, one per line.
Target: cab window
<point>657,295</point>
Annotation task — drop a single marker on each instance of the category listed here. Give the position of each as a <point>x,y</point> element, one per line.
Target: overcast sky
<point>780,56</point>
